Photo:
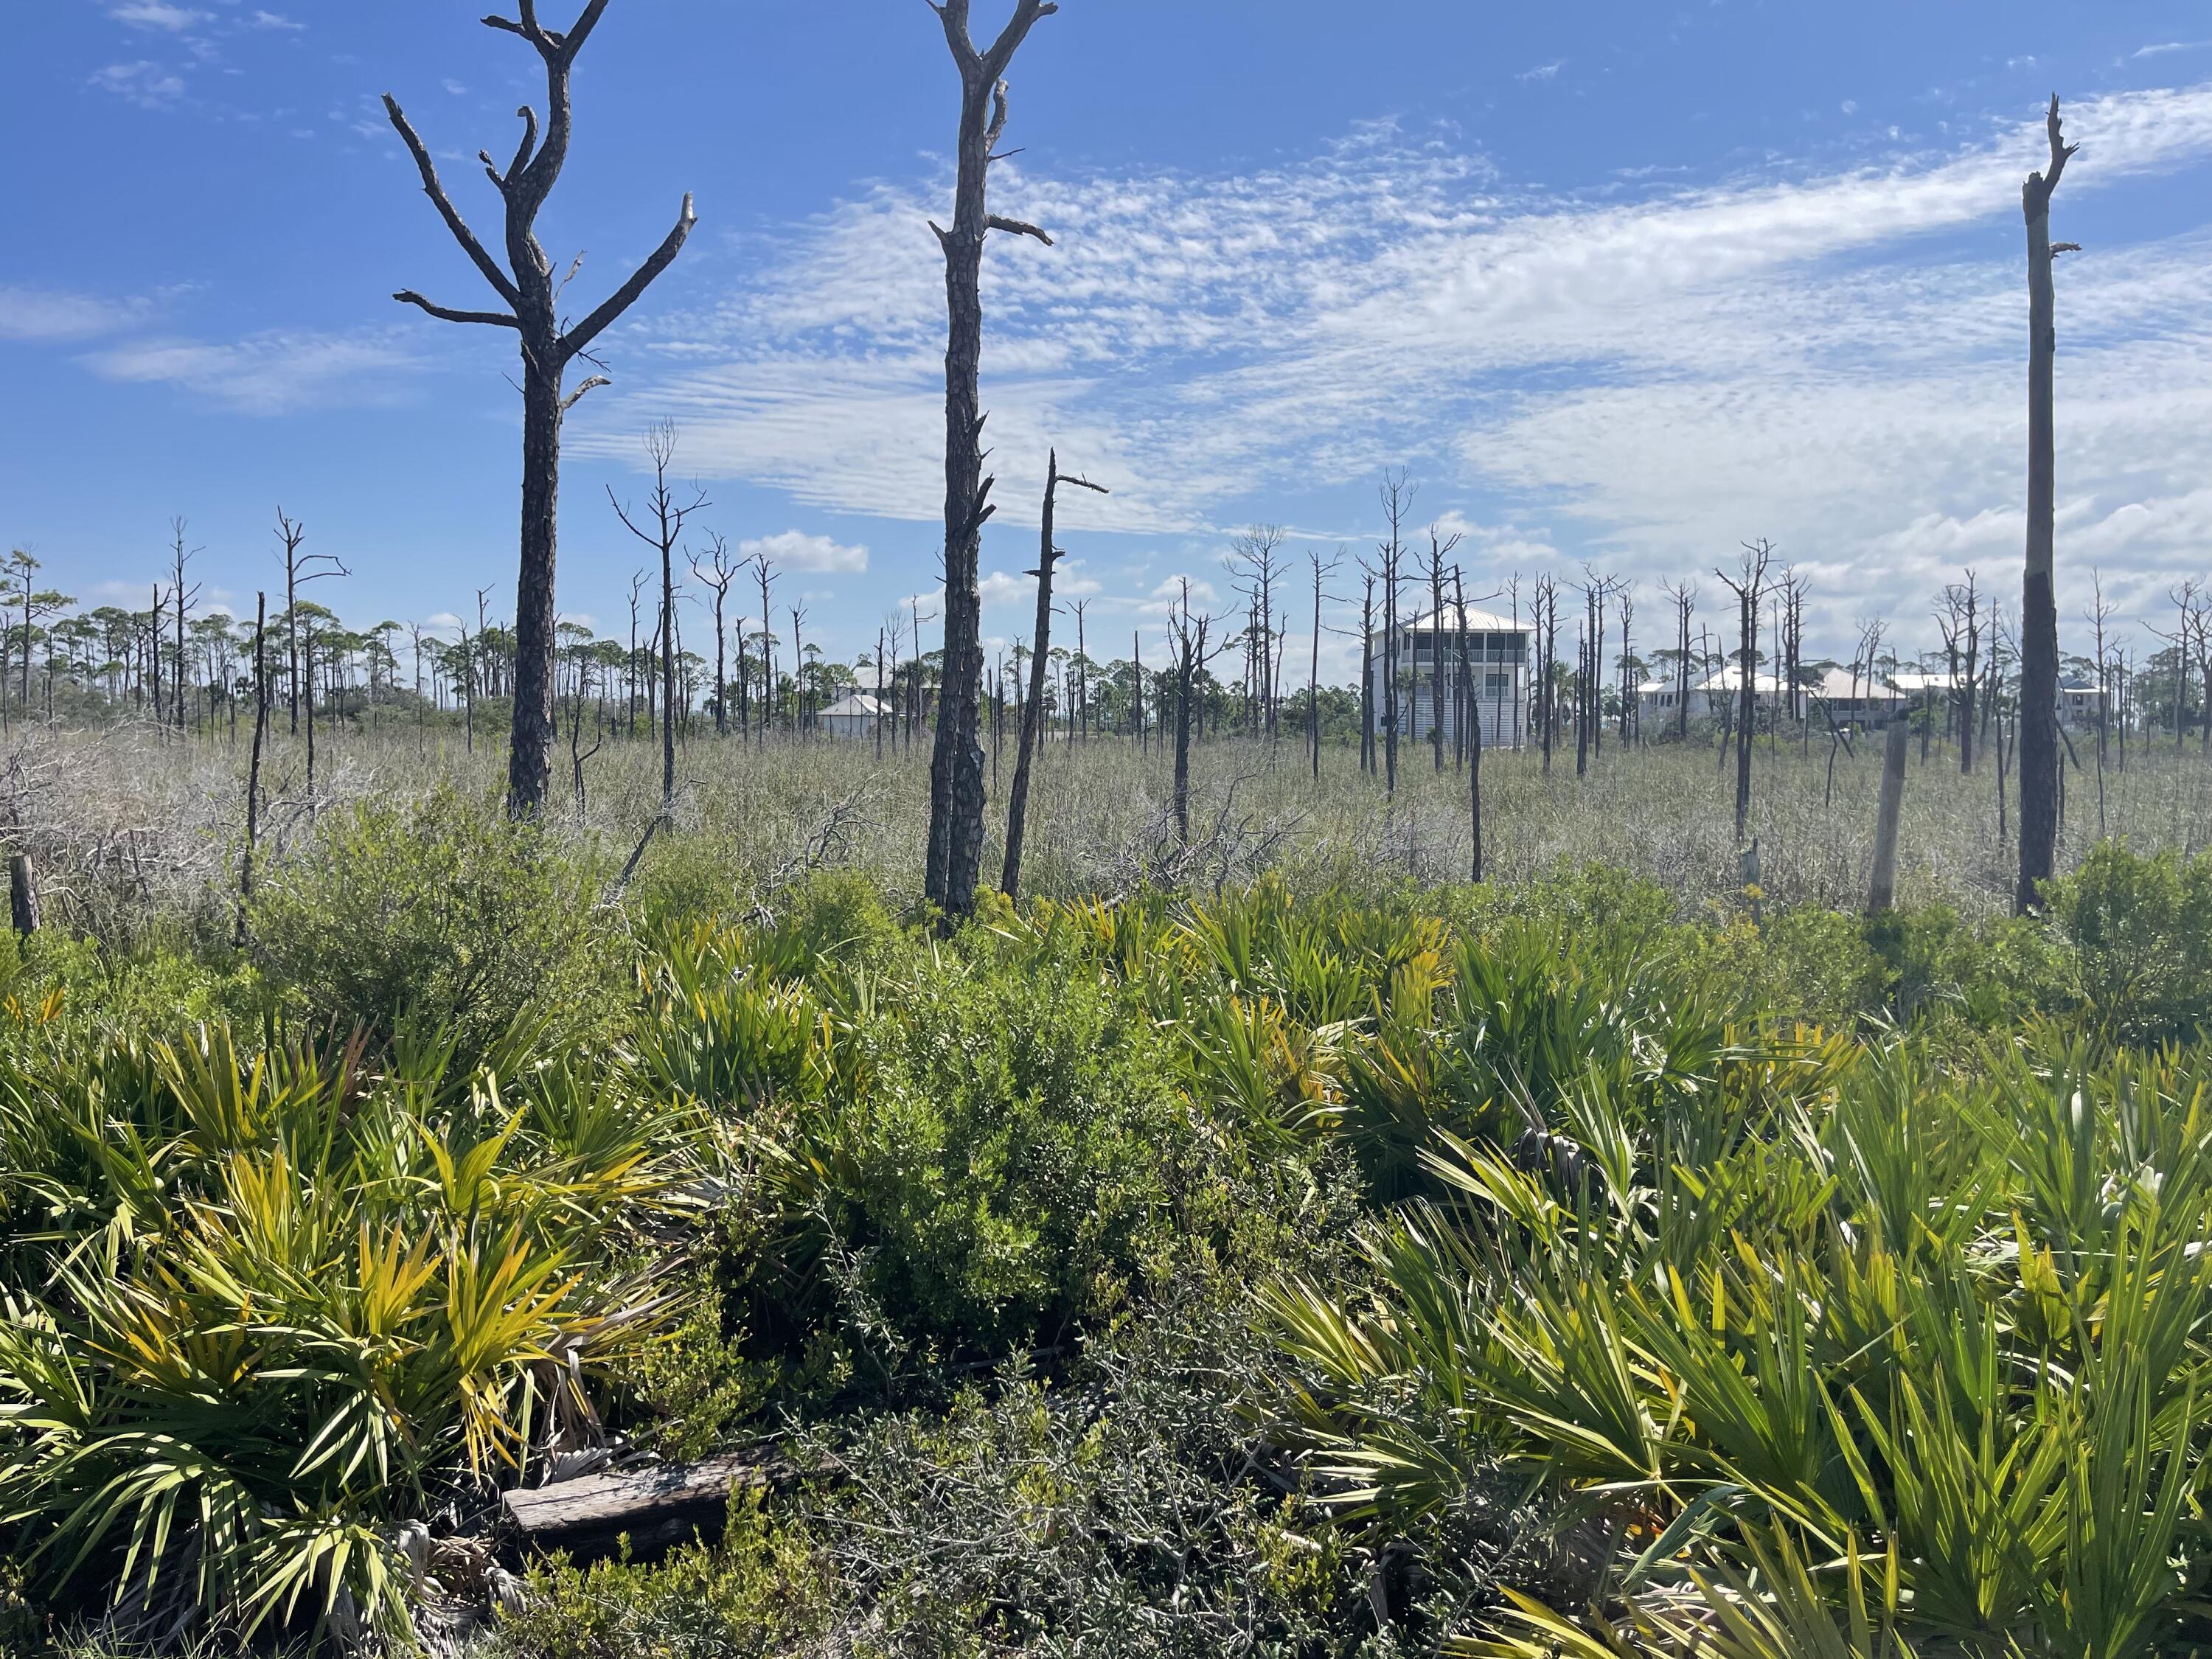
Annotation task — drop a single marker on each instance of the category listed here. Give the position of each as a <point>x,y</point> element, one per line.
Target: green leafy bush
<point>1004,1176</point>
<point>1938,969</point>
<point>2142,931</point>
<point>1118,1511</point>
<point>436,918</point>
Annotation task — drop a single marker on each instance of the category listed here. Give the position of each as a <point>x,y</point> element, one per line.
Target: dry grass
<point>127,824</point>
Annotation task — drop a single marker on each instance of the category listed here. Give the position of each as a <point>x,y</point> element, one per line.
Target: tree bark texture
<point>2039,645</point>
<point>955,857</point>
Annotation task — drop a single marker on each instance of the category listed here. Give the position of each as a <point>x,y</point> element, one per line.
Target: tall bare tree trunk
<point>254,768</point>
<point>531,295</point>
<point>1367,678</point>
<point>1748,589</point>
<point>2038,644</point>
<point>955,766</point>
<point>1881,890</point>
<point>1473,713</point>
<point>1017,802</point>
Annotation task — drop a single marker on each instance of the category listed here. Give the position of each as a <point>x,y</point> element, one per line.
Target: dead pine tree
<point>1256,560</point>
<point>1189,652</point>
<point>1367,675</point>
<point>1624,604</point>
<point>1080,715</point>
<point>1396,493</point>
<point>764,573</point>
<point>1547,608</point>
<point>578,754</point>
<point>1471,715</point>
<point>798,674</point>
<point>526,287</point>
<point>1684,597</point>
<point>1584,676</point>
<point>1048,555</point>
<point>1748,585</point>
<point>1959,621</point>
<point>1321,573</point>
<point>2038,617</point>
<point>300,569</point>
<point>185,594</point>
<point>2100,617</point>
<point>955,856</point>
<point>663,527</point>
<point>1441,547</point>
<point>716,578</point>
<point>254,766</point>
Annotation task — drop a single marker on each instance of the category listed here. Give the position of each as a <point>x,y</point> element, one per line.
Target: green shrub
<point>836,914</point>
<point>160,988</point>
<point>959,1163</point>
<point>441,917</point>
<point>2141,930</point>
<point>1803,964</point>
<point>1938,967</point>
<point>1120,1513</point>
<point>762,1590</point>
<point>1010,1167</point>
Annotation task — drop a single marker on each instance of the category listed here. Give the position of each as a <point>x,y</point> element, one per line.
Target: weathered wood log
<point>655,1508</point>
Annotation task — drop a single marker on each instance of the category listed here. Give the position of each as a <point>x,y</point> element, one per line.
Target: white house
<point>1709,698</point>
<point>854,715</point>
<point>1658,701</point>
<point>1428,654</point>
<point>2079,706</point>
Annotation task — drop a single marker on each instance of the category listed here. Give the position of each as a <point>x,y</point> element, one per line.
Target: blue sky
<point>1621,282</point>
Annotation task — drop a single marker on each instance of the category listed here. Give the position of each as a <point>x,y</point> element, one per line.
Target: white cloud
<point>272,374</point>
<point>156,15</point>
<point>270,20</point>
<point>2166,47</point>
<point>456,89</point>
<point>148,85</point>
<point>1003,587</point>
<point>1828,356</point>
<point>28,314</point>
<point>1850,107</point>
<point>1542,71</point>
<point>793,550</point>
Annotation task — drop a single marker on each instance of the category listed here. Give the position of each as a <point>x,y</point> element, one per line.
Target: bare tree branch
<point>591,385</point>
<point>446,313</point>
<point>1018,228</point>
<point>523,151</point>
<point>641,279</point>
<point>501,283</point>
<point>1025,18</point>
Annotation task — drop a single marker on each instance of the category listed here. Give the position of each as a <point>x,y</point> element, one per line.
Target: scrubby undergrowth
<point>1569,1264</point>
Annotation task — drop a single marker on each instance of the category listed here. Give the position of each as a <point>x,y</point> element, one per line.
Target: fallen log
<point>655,1509</point>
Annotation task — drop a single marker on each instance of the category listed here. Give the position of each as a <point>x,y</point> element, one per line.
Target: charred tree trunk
<point>1367,679</point>
<point>23,895</point>
<point>1473,716</point>
<point>2038,644</point>
<point>1017,802</point>
<point>1749,588</point>
<point>253,767</point>
<point>531,294</point>
<point>955,766</point>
